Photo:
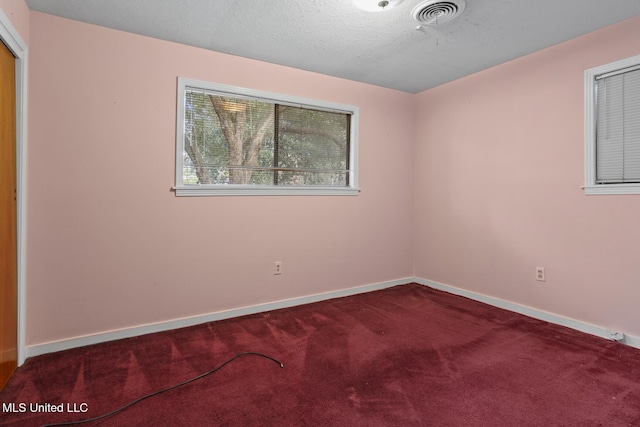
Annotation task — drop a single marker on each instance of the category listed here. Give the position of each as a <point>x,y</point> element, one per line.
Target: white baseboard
<point>65,344</point>
<point>588,328</point>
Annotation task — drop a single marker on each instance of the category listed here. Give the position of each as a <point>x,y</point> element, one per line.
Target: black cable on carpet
<point>122,408</point>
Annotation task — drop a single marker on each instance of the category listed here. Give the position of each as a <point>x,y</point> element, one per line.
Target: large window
<point>612,128</point>
<point>234,141</point>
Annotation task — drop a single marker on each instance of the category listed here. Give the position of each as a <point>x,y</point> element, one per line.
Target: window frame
<point>182,189</point>
<point>590,135</point>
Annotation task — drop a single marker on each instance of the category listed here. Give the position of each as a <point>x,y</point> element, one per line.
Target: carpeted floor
<point>403,356</point>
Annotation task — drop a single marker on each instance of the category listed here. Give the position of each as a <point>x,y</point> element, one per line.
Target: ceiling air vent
<point>433,12</point>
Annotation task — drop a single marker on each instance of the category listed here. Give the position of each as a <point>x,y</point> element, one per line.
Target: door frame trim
<point>12,39</point>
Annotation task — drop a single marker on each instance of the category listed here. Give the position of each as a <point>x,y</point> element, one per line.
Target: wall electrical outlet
<point>540,276</point>
<point>277,267</point>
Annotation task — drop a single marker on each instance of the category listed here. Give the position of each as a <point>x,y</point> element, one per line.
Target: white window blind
<point>618,127</point>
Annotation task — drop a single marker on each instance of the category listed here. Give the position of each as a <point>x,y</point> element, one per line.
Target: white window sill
<point>243,190</point>
<point>612,189</point>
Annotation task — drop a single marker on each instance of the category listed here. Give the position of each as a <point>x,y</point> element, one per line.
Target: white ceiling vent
<point>431,12</point>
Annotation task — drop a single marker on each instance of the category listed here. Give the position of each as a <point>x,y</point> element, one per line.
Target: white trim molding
<point>80,341</point>
<point>578,325</point>
<point>12,39</point>
<point>256,190</point>
<point>50,347</point>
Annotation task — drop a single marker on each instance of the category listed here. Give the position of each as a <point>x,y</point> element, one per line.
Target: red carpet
<point>404,356</point>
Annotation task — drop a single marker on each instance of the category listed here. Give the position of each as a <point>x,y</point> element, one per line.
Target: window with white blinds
<point>233,141</point>
<point>618,127</point>
<point>612,120</point>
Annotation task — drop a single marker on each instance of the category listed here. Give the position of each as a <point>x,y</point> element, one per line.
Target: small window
<point>233,141</point>
<point>612,128</point>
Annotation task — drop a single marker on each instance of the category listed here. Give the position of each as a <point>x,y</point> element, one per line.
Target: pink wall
<point>109,246</point>
<point>499,165</point>
<point>492,163</point>
<point>18,13</point>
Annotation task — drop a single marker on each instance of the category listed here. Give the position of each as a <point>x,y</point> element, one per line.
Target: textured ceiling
<point>333,37</point>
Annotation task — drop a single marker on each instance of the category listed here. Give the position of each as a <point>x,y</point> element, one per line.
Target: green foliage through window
<point>238,140</point>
